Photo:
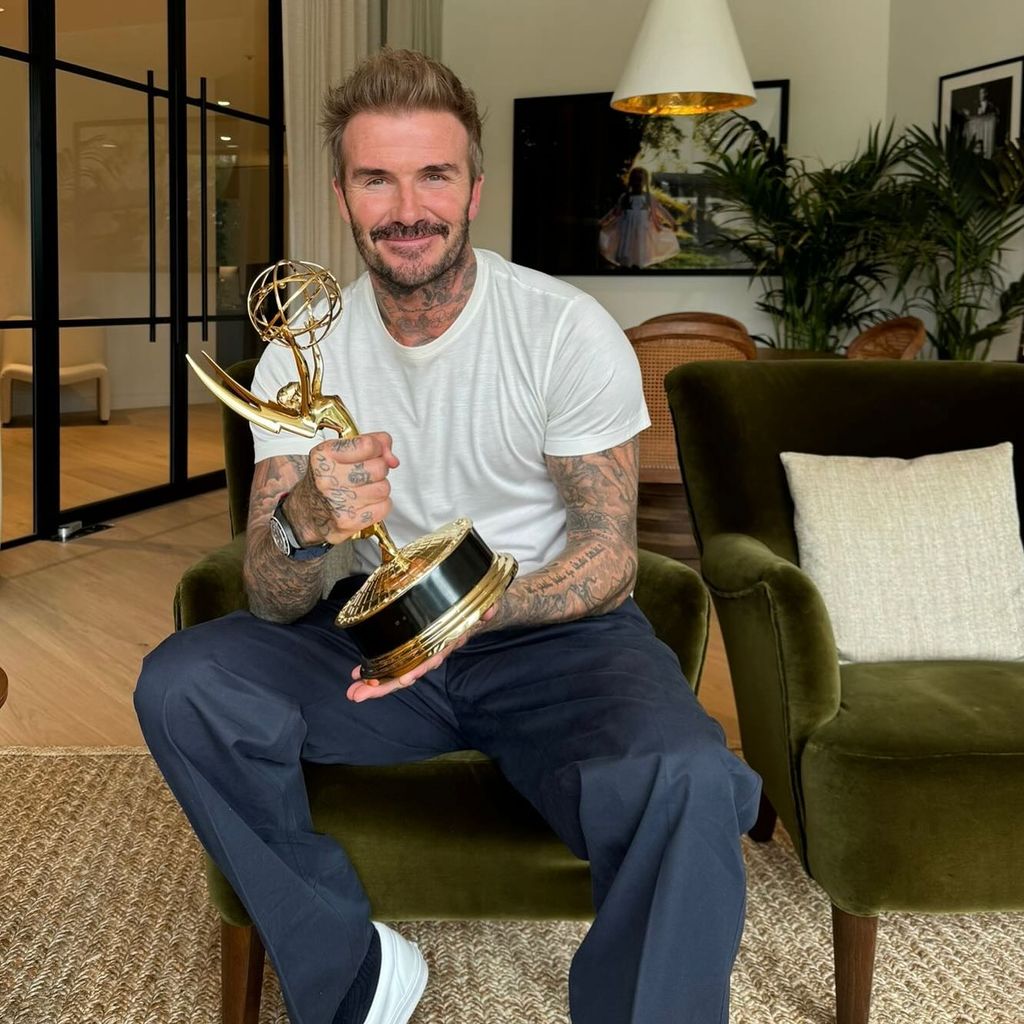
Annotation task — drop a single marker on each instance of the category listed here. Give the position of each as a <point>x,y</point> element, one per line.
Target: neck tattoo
<point>416,316</point>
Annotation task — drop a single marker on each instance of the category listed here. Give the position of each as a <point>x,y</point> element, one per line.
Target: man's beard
<point>412,274</point>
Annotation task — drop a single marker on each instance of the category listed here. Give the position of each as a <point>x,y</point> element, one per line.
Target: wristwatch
<point>283,536</point>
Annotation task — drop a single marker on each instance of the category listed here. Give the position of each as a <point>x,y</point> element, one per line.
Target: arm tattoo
<point>279,588</point>
<point>596,571</point>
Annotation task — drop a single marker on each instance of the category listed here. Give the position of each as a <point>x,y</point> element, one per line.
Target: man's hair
<point>397,82</point>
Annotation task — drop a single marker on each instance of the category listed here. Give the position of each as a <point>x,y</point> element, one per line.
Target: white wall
<point>834,53</point>
<point>931,38</point>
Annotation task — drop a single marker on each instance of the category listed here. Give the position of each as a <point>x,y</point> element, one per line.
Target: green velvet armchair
<point>901,784</point>
<point>443,839</point>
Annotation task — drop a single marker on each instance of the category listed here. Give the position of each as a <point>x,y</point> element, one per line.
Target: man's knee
<point>675,773</point>
<point>165,669</point>
<point>184,664</point>
<point>710,780</point>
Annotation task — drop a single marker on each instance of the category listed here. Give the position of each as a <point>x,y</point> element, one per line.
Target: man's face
<point>407,193</point>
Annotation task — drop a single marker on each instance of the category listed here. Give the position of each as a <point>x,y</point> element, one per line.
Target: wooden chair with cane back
<point>658,350</point>
<point>901,338</point>
<point>686,321</point>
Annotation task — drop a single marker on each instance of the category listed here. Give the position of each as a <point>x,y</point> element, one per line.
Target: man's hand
<point>336,491</point>
<point>345,489</point>
<point>369,689</point>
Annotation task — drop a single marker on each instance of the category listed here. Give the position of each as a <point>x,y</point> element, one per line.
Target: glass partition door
<point>156,194</point>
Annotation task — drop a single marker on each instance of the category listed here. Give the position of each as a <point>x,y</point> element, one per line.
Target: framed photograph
<point>984,103</point>
<point>596,191</point>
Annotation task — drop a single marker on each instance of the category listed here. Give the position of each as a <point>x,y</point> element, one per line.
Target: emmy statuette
<point>423,596</point>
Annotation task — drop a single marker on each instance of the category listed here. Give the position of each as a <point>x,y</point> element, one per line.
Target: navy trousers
<point>591,721</point>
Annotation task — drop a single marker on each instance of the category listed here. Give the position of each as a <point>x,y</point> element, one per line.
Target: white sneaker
<point>403,977</point>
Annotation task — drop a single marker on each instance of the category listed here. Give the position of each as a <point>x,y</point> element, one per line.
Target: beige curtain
<point>414,25</point>
<point>323,42</point>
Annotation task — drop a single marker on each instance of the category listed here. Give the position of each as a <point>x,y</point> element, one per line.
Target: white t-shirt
<point>531,366</point>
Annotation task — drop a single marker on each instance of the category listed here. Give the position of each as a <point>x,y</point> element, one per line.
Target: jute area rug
<point>104,920</point>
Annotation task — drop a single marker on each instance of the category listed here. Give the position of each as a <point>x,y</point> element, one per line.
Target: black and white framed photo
<point>984,103</point>
<point>596,191</point>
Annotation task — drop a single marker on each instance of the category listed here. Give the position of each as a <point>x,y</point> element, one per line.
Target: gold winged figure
<point>288,302</point>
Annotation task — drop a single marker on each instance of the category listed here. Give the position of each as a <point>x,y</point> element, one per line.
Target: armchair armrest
<point>782,659</point>
<point>212,587</point>
<point>676,603</point>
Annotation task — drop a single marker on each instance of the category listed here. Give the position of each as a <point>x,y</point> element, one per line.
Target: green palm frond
<point>924,215</point>
<point>812,233</point>
<point>960,213</point>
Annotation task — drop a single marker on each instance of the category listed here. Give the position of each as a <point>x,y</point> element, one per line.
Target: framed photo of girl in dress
<point>596,191</point>
<point>984,103</point>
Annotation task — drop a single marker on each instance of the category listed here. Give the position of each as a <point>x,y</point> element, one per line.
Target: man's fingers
<point>361,448</point>
<point>358,692</point>
<point>369,689</point>
<point>370,471</point>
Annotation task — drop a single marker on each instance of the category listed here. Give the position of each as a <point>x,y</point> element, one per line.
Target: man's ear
<point>339,193</point>
<point>474,197</point>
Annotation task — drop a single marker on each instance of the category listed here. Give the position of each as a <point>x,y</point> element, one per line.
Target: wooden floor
<point>98,461</point>
<point>76,620</point>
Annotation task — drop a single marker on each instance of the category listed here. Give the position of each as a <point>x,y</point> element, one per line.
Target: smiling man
<point>410,219</point>
<point>513,399</point>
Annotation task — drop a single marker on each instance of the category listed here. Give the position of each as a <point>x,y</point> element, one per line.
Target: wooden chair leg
<point>241,974</point>
<point>853,943</point>
<point>764,827</point>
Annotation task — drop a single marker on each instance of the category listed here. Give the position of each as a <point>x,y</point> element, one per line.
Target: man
<point>513,399</point>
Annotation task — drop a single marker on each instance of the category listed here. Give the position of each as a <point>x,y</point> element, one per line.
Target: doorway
<point>141,191</point>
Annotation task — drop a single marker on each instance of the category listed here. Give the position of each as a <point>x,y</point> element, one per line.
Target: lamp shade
<point>686,60</point>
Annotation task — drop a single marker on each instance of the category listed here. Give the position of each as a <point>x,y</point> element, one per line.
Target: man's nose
<point>408,209</point>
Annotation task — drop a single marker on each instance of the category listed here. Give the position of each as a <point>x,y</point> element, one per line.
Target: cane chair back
<point>901,338</point>
<point>658,351</point>
<point>689,320</point>
<point>716,328</point>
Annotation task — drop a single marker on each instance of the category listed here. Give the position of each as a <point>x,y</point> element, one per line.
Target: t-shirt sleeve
<point>275,369</point>
<point>595,396</point>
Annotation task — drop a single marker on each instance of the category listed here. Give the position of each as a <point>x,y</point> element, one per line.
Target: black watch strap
<point>287,542</point>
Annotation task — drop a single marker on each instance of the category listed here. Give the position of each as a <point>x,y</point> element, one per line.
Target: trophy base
<point>426,597</point>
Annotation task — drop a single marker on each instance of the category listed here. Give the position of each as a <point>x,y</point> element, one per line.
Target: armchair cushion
<point>915,558</point>
<point>913,795</point>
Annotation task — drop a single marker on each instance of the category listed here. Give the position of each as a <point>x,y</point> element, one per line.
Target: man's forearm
<point>596,571</point>
<point>590,577</point>
<point>280,589</point>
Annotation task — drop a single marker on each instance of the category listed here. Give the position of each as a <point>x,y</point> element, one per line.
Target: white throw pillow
<point>915,558</point>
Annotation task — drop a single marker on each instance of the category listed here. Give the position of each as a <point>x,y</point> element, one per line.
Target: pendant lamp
<point>686,60</point>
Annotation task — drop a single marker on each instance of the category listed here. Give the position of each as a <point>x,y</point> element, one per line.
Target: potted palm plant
<point>958,214</point>
<point>816,236</point>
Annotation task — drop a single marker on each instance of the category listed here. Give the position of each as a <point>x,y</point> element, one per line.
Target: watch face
<point>277,535</point>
